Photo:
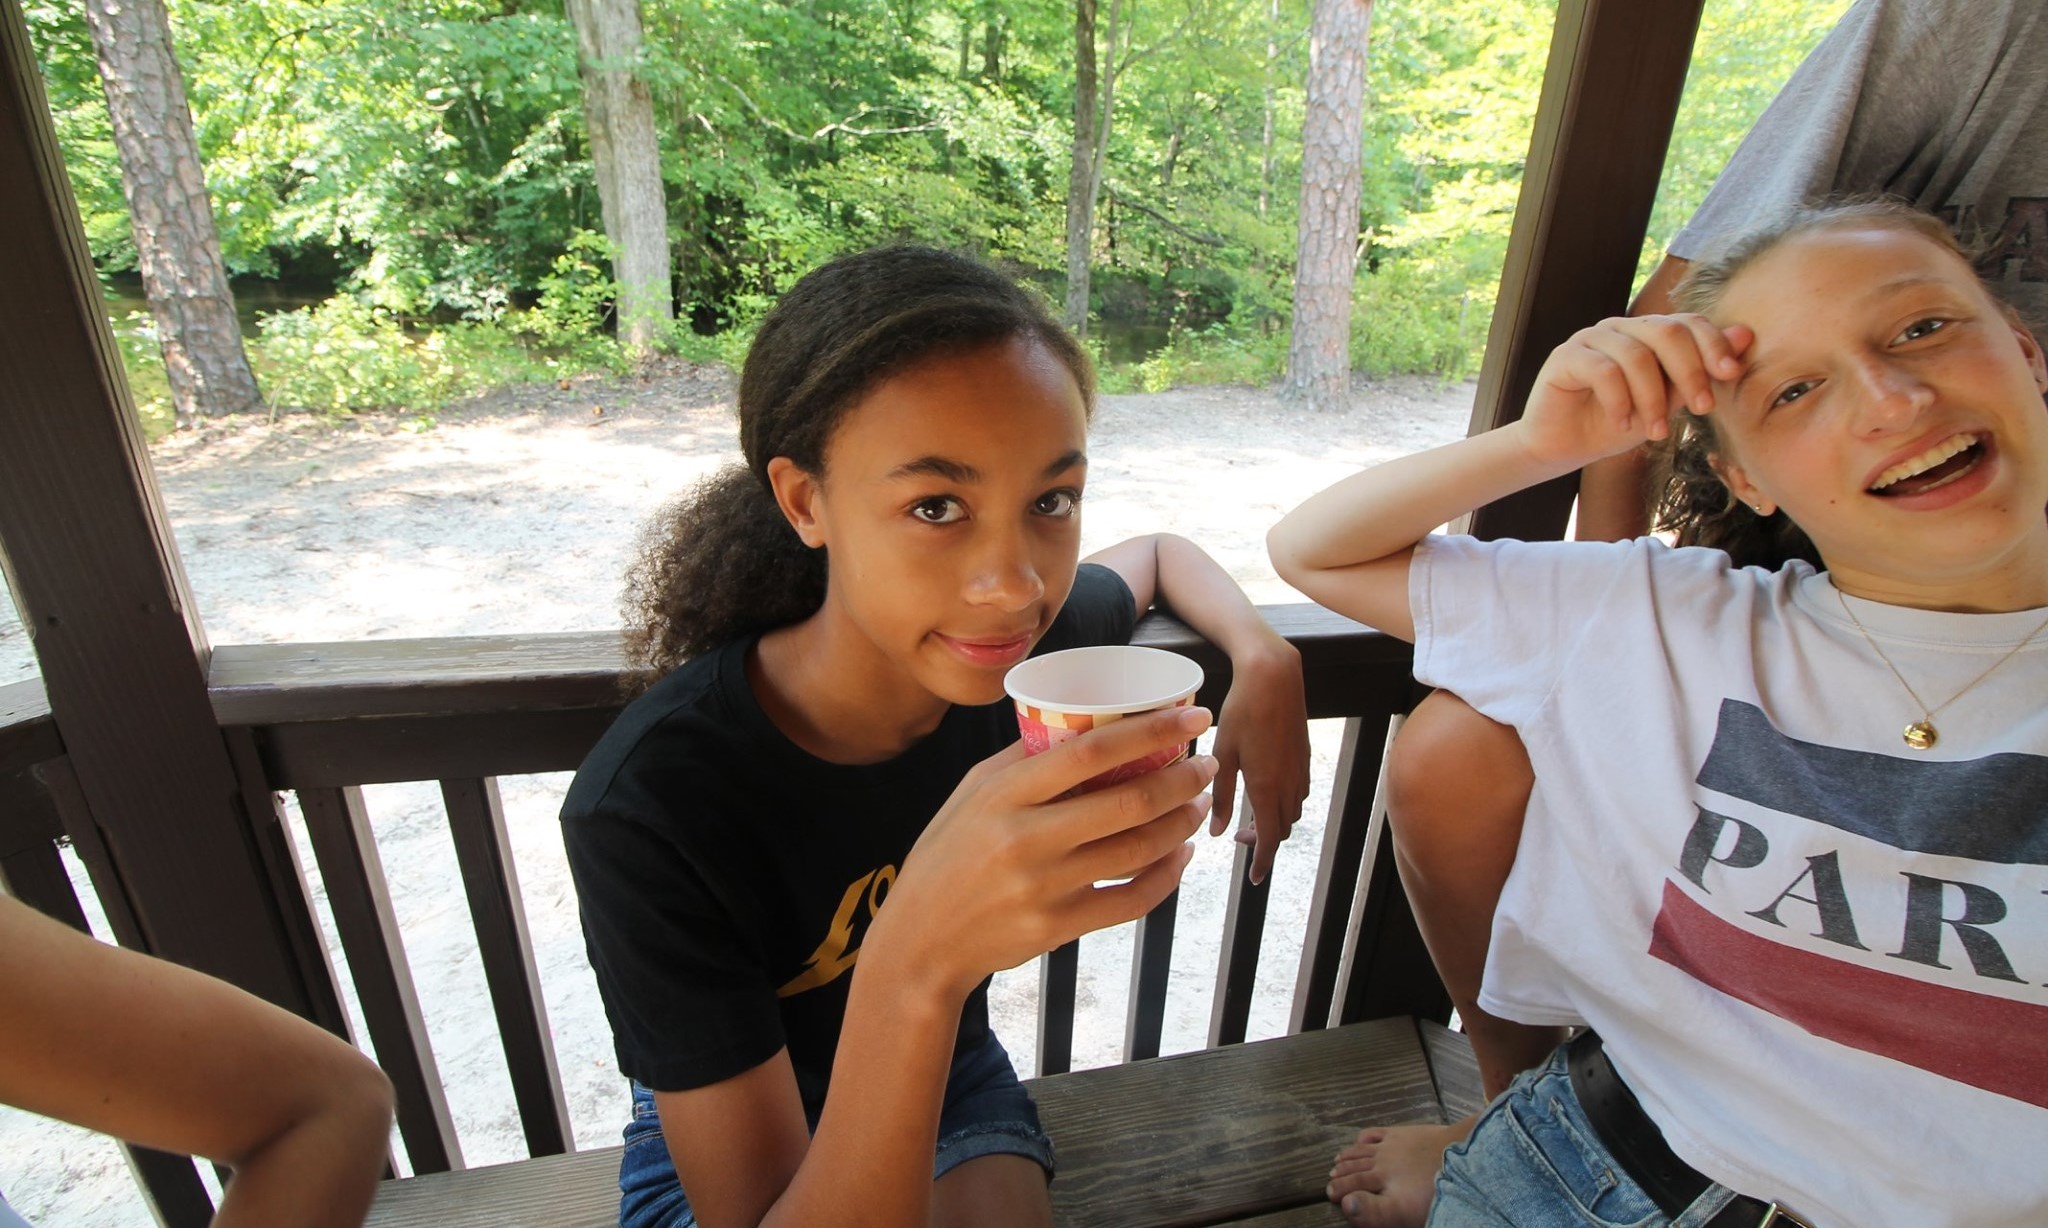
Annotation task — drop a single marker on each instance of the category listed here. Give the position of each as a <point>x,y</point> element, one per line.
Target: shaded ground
<point>516,512</point>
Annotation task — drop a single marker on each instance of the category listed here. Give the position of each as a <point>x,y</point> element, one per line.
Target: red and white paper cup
<point>1063,695</point>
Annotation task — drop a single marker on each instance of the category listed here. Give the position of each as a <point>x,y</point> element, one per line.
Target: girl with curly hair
<point>1782,852</point>
<point>826,770</point>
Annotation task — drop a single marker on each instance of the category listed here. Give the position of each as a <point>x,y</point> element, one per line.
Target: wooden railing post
<point>96,576</point>
<point>1610,97</point>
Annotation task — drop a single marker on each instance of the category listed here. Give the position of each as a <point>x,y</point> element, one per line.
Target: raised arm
<point>1610,388</point>
<point>1613,492</point>
<point>162,1056</point>
<point>1262,729</point>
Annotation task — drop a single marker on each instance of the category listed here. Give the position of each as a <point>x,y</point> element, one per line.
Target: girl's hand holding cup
<point>1022,859</point>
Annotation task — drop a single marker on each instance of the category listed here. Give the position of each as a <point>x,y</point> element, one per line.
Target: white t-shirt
<point>1815,954</point>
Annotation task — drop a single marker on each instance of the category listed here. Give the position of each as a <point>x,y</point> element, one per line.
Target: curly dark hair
<point>722,561</point>
<point>1687,496</point>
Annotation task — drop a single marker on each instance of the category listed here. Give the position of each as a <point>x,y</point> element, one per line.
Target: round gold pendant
<point>1920,735</point>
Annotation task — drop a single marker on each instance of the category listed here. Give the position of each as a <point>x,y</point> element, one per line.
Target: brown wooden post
<point>96,575</point>
<point>1610,97</point>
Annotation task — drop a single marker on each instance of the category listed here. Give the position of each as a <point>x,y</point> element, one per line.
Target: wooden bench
<point>1238,1135</point>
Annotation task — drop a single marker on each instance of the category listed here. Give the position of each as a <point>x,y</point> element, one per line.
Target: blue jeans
<point>1534,1161</point>
<point>987,1112</point>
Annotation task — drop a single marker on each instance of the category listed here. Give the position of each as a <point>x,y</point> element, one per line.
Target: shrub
<point>344,356</point>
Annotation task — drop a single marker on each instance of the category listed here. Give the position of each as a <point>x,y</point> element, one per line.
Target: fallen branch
<point>1193,236</point>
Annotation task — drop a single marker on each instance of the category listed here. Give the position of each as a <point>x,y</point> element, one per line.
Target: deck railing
<point>206,868</point>
<point>323,720</point>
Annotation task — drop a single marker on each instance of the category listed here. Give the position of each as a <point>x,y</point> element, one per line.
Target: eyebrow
<point>1753,363</point>
<point>963,473</point>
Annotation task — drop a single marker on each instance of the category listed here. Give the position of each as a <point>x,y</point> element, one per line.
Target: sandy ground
<point>515,514</point>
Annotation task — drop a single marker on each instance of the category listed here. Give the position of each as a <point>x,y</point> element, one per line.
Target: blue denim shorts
<point>987,1112</point>
<point>1534,1161</point>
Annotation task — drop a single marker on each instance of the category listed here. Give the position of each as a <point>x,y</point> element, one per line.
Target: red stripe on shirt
<point>1992,1043</point>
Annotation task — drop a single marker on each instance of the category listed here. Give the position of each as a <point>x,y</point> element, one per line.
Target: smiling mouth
<point>983,651</point>
<point>1936,467</point>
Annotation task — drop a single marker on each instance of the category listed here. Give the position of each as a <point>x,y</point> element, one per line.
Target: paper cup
<point>1063,695</point>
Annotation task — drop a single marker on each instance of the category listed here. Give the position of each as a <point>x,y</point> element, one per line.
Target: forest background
<point>405,196</point>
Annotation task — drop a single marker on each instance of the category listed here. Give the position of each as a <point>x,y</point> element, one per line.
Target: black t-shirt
<point>726,877</point>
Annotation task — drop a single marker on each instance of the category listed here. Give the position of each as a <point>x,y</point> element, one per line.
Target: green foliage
<point>1403,320</point>
<point>576,296</point>
<point>143,362</point>
<point>348,355</point>
<point>430,155</point>
<point>1745,51</point>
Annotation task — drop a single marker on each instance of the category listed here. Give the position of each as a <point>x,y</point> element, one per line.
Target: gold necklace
<point>1920,735</point>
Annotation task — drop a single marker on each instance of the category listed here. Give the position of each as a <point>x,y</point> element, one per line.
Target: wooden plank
<point>579,1190</point>
<point>1314,1215</point>
<point>61,783</point>
<point>28,814</point>
<point>273,684</point>
<point>371,732</point>
<point>1610,96</point>
<point>1203,1138</point>
<point>1058,971</point>
<point>94,571</point>
<point>1329,913</point>
<point>476,818</point>
<point>1200,1138</point>
<point>1151,961</point>
<point>1237,963</point>
<point>171,1184</point>
<point>264,684</point>
<point>27,734</point>
<point>35,875</point>
<point>345,849</point>
<point>1386,968</point>
<point>288,886</point>
<point>380,750</point>
<point>1453,1069</point>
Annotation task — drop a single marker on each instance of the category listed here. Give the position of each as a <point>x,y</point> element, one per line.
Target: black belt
<point>1639,1146</point>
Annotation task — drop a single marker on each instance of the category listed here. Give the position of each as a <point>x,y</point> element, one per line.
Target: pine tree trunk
<point>619,113</point>
<point>1326,252</point>
<point>175,240</point>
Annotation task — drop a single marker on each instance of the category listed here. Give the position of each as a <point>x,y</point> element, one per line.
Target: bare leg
<point>1457,784</point>
<point>998,1191</point>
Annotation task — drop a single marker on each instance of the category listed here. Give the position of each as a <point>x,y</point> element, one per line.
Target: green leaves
<point>434,151</point>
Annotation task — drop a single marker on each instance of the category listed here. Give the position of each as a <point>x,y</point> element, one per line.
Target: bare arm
<point>1001,875</point>
<point>1262,729</point>
<point>163,1056</point>
<point>1608,389</point>
<point>1613,490</point>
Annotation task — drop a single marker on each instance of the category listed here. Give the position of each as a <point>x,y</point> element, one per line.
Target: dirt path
<point>516,513</point>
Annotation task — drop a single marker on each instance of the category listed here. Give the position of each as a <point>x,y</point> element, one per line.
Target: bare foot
<point>1386,1178</point>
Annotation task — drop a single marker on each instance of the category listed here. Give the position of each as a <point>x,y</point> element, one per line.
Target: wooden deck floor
<point>1241,1135</point>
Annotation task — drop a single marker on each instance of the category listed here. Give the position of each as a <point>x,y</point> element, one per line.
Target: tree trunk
<point>1094,104</point>
<point>1326,251</point>
<point>619,114</point>
<point>175,240</point>
<point>1081,175</point>
<point>992,40</point>
<point>1266,137</point>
